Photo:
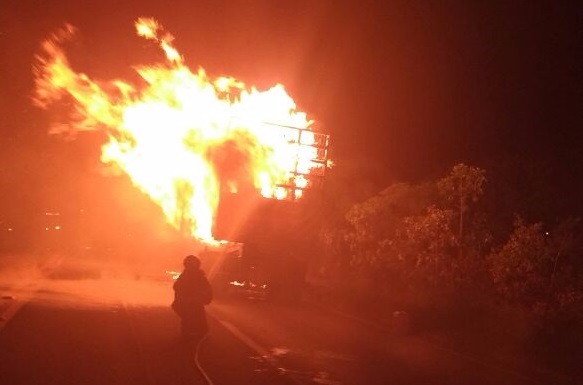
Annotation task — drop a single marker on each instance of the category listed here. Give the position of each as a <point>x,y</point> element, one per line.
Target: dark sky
<point>406,89</point>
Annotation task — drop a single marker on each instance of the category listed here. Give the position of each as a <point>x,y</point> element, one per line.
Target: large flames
<point>182,136</point>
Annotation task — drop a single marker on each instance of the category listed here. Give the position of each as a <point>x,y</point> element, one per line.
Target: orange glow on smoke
<point>181,136</point>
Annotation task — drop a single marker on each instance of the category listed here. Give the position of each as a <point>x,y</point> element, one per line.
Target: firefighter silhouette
<point>192,291</point>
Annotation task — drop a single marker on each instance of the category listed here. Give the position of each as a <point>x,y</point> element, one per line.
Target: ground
<point>120,330</point>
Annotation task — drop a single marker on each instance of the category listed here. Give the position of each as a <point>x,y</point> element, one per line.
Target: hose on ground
<point>197,362</point>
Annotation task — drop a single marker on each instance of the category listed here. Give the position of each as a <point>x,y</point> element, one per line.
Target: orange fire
<point>183,136</point>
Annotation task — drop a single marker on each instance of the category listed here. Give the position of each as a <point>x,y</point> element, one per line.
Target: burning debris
<point>183,137</point>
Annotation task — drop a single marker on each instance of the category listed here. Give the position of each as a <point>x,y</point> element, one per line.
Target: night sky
<point>405,89</point>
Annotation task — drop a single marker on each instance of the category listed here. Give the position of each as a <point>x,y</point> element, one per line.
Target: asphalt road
<point>64,336</point>
<point>123,332</point>
<point>319,346</point>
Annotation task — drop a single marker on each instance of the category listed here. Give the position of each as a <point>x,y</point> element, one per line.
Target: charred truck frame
<point>270,241</point>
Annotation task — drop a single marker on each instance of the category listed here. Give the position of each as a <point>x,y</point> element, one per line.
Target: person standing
<point>192,291</point>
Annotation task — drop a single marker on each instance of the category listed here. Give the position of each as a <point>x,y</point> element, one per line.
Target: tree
<point>428,244</point>
<point>407,233</point>
<point>373,225</point>
<point>463,185</point>
<point>536,269</point>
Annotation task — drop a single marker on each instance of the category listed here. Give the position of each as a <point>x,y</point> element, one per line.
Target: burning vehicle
<point>210,152</point>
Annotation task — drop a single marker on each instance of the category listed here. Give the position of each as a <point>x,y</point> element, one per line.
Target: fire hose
<point>197,362</point>
<point>140,349</point>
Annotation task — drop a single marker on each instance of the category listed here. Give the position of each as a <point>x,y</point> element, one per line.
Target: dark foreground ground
<point>121,331</point>
<point>62,336</point>
<point>49,345</point>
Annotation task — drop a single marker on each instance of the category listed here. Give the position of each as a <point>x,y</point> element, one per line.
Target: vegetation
<point>437,248</point>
